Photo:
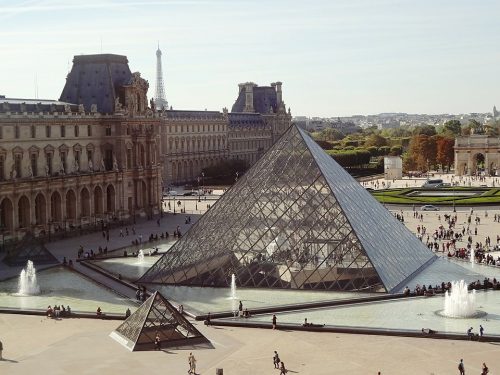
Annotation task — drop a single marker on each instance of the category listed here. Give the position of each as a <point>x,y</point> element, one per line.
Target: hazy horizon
<point>335,58</point>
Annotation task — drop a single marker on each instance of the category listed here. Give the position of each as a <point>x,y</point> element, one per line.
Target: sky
<point>334,57</point>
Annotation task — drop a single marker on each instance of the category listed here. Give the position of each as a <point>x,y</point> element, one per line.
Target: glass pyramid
<point>157,316</point>
<point>29,248</point>
<point>295,220</point>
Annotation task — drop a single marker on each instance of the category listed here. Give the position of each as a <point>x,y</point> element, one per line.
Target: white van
<point>434,183</point>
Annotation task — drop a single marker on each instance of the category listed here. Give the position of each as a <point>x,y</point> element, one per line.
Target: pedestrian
<point>461,367</point>
<point>276,360</point>
<point>1,349</point>
<point>481,330</point>
<point>470,333</point>
<point>192,364</point>
<point>157,341</point>
<point>240,309</point>
<point>274,321</point>
<point>282,368</point>
<point>485,369</point>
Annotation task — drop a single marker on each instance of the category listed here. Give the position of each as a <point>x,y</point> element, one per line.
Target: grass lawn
<point>403,196</point>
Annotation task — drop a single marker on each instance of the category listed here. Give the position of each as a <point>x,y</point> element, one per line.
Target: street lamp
<point>203,180</point>
<point>236,178</point>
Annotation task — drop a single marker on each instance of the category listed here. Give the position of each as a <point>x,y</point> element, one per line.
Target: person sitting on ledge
<point>99,311</point>
<point>49,312</point>
<point>70,263</point>
<point>470,333</point>
<point>428,331</point>
<point>68,310</point>
<point>246,314</point>
<point>406,292</point>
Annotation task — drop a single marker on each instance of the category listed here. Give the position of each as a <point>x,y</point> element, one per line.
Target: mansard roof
<point>245,119</point>
<point>34,105</point>
<point>95,79</point>
<point>264,98</point>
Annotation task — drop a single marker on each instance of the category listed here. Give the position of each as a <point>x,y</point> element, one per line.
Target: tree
<point>429,130</point>
<point>422,150</point>
<point>453,126</point>
<point>444,151</point>
<point>375,140</point>
<point>329,134</point>
<point>396,150</point>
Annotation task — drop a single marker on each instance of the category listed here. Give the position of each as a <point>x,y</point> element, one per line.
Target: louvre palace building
<point>102,152</point>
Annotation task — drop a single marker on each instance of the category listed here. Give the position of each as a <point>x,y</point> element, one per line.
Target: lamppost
<point>50,224</point>
<point>199,196</point>
<point>236,178</point>
<point>3,231</point>
<point>203,181</point>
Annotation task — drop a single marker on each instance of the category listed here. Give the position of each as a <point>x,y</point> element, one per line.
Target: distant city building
<point>393,168</point>
<point>89,158</point>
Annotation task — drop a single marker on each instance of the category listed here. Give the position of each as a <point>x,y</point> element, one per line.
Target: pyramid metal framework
<point>29,248</point>
<point>157,316</point>
<point>295,220</point>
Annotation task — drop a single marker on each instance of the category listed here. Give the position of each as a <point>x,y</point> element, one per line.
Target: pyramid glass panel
<point>295,220</point>
<point>157,316</point>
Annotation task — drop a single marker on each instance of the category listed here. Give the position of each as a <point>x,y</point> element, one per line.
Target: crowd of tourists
<point>58,311</point>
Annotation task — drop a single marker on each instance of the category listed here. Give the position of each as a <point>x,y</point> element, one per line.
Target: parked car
<point>189,193</point>
<point>172,193</point>
<point>429,207</point>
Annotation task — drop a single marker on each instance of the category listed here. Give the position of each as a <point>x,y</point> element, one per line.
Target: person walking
<point>486,370</point>
<point>282,368</point>
<point>461,367</point>
<point>276,360</point>
<point>1,350</point>
<point>157,342</point>
<point>274,321</point>
<point>481,330</point>
<point>192,364</point>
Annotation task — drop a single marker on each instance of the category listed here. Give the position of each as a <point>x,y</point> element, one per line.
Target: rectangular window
<point>108,130</point>
<point>16,131</point>
<point>63,161</point>
<point>63,132</point>
<point>47,131</point>
<point>1,132</point>
<point>128,129</point>
<point>90,156</point>
<point>77,131</point>
<point>17,165</point>
<point>2,168</point>
<point>34,164</point>
<point>49,163</point>
<point>33,131</point>
<point>129,158</point>
<point>108,160</point>
<point>89,130</point>
<point>77,158</point>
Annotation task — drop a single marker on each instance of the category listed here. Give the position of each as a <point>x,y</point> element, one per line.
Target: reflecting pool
<point>60,286</point>
<point>405,314</point>
<point>206,299</point>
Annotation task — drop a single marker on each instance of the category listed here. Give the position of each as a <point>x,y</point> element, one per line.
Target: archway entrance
<point>478,163</point>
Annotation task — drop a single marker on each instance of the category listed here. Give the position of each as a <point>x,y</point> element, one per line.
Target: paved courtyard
<point>35,345</point>
<point>82,346</point>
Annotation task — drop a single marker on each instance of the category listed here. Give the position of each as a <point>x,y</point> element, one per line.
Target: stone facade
<point>65,166</point>
<point>193,140</point>
<point>469,150</point>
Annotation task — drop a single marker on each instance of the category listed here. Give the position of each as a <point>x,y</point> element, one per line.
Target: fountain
<point>28,285</point>
<point>472,255</point>
<point>140,257</point>
<point>233,296</point>
<point>460,303</point>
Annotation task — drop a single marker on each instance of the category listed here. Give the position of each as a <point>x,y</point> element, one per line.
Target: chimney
<point>279,98</point>
<point>249,96</point>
